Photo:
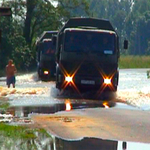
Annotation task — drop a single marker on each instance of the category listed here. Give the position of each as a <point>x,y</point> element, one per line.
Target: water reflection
<point>86,144</point>
<point>98,144</point>
<point>85,94</point>
<point>45,142</point>
<point>25,111</point>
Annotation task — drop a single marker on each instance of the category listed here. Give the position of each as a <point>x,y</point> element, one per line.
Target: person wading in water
<point>10,73</point>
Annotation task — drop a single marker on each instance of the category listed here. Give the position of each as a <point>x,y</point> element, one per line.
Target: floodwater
<point>134,88</point>
<point>34,96</point>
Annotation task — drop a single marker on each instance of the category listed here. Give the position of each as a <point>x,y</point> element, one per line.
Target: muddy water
<point>34,96</point>
<point>134,88</point>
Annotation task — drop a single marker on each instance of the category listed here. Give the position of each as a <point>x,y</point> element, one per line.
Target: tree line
<point>131,19</point>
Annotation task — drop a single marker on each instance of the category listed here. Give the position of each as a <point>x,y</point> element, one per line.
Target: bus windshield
<point>103,42</point>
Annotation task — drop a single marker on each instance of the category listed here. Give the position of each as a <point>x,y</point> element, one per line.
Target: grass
<point>16,132</point>
<point>24,137</point>
<point>134,62</point>
<point>4,105</point>
<point>20,132</point>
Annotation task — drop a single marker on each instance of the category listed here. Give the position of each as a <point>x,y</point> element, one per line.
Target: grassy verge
<point>17,132</point>
<point>134,62</point>
<point>4,104</point>
<point>22,137</point>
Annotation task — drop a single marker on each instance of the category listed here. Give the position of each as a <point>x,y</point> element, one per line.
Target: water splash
<point>22,91</point>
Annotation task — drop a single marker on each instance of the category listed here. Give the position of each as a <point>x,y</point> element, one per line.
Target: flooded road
<point>32,96</point>
<point>134,88</point>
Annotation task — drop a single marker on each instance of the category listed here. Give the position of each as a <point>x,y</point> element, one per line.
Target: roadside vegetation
<point>131,19</point>
<point>125,62</point>
<point>4,105</point>
<point>132,61</point>
<point>20,137</point>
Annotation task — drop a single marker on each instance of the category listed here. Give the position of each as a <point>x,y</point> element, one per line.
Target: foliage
<point>69,8</point>
<point>13,44</point>
<point>40,16</point>
<point>137,27</point>
<point>131,20</point>
<point>21,54</point>
<point>15,131</point>
<point>21,137</point>
<point>4,105</point>
<point>29,19</point>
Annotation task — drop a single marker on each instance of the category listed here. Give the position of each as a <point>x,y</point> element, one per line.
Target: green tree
<point>5,48</point>
<point>137,27</point>
<point>40,16</point>
<point>29,20</point>
<point>13,43</point>
<point>115,11</point>
<point>72,8</point>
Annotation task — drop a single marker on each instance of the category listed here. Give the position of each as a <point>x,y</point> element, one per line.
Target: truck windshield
<point>47,48</point>
<point>89,41</point>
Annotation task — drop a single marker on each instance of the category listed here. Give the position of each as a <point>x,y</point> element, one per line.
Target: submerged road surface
<point>105,123</point>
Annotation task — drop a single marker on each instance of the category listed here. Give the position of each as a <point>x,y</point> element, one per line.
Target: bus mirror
<point>125,44</point>
<point>54,38</point>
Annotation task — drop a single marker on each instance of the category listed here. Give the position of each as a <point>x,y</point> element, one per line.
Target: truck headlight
<point>107,81</point>
<point>68,79</point>
<point>46,72</point>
